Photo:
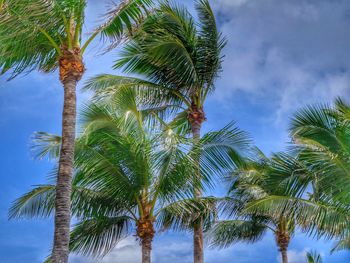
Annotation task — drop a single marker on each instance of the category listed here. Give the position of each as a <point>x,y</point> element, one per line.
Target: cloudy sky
<point>281,55</point>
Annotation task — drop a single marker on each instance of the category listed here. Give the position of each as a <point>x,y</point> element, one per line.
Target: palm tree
<point>248,219</point>
<point>45,35</point>
<point>321,134</point>
<point>321,137</point>
<point>178,60</point>
<point>131,171</point>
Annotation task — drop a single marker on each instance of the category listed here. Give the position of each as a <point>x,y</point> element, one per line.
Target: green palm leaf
<point>46,145</point>
<point>343,244</point>
<point>225,233</point>
<point>39,202</point>
<point>313,257</point>
<point>210,42</point>
<point>181,215</point>
<point>97,236</point>
<point>32,41</point>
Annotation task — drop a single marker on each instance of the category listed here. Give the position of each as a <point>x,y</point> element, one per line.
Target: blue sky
<point>281,55</point>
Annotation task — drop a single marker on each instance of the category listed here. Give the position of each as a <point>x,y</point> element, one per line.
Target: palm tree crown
<point>178,59</point>
<point>32,39</point>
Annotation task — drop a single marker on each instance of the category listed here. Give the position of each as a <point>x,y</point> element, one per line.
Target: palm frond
<point>164,51</point>
<point>313,125</point>
<point>39,202</point>
<point>223,150</point>
<point>181,215</point>
<point>210,45</point>
<point>225,233</point>
<point>46,145</point>
<point>313,257</point>
<point>288,175</point>
<point>122,173</point>
<point>124,18</point>
<point>148,95</point>
<point>88,202</point>
<point>29,39</point>
<point>316,218</point>
<point>32,40</point>
<point>322,135</point>
<point>175,178</point>
<point>343,244</point>
<point>97,236</point>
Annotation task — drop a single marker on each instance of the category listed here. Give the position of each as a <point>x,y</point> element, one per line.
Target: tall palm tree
<point>130,172</point>
<point>248,221</point>
<point>45,35</point>
<point>178,60</point>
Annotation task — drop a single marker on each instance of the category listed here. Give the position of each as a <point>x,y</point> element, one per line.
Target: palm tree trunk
<point>284,256</point>
<point>60,250</point>
<point>196,117</point>
<point>71,68</point>
<point>146,250</point>
<point>145,231</point>
<point>198,253</point>
<point>282,239</point>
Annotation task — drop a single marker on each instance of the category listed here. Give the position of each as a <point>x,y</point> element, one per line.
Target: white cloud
<point>285,53</point>
<point>295,256</point>
<point>128,250</point>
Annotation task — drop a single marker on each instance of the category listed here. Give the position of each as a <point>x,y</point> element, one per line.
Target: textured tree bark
<point>145,231</point>
<point>282,239</point>
<point>71,70</point>
<point>146,251</point>
<point>196,118</point>
<point>198,254</point>
<point>284,256</point>
<point>60,250</point>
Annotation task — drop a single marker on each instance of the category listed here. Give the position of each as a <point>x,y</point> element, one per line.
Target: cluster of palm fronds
<point>141,164</point>
<point>307,187</point>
